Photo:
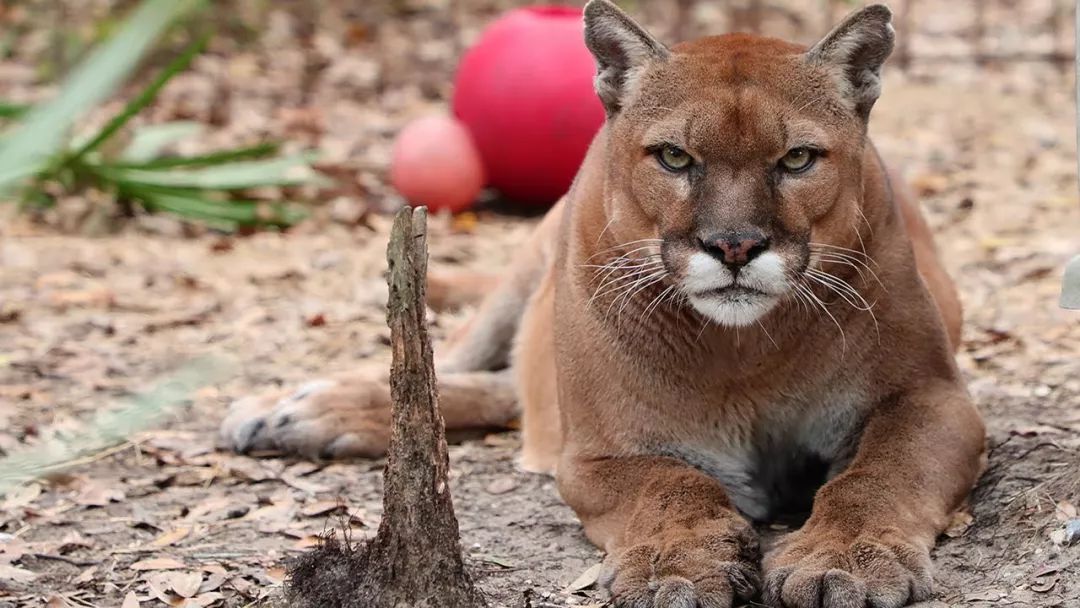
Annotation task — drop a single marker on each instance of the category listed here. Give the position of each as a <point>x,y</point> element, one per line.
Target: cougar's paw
<point>689,570</point>
<point>820,570</point>
<point>321,419</point>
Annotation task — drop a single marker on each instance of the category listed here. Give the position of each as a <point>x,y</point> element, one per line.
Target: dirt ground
<point>166,516</point>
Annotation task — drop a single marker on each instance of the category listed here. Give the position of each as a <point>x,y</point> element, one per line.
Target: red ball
<point>525,90</point>
<point>435,163</point>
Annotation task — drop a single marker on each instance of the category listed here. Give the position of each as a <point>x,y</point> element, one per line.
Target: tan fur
<point>669,432</point>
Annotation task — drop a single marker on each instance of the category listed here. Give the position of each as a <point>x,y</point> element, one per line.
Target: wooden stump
<point>415,558</point>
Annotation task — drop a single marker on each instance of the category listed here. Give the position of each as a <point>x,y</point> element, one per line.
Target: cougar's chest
<point>775,463</point>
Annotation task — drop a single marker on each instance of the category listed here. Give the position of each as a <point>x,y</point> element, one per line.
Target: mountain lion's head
<point>741,155</point>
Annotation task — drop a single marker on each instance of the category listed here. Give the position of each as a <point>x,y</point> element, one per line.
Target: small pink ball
<point>435,163</point>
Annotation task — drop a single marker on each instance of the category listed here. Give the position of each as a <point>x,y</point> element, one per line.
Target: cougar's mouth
<point>732,292</point>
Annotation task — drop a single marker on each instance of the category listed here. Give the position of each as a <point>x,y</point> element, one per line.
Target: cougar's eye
<point>798,160</point>
<point>674,159</point>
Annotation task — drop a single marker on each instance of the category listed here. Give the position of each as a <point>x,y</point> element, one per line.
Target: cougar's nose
<point>734,249</point>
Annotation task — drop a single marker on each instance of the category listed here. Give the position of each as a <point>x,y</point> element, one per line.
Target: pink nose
<point>735,249</point>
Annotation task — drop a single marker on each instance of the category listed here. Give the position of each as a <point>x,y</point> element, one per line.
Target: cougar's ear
<point>854,53</point>
<point>622,49</point>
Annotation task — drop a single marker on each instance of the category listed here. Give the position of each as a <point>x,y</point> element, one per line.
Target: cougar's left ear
<point>622,49</point>
<point>854,52</point>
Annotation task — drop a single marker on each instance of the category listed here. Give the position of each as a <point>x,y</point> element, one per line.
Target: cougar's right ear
<point>622,49</point>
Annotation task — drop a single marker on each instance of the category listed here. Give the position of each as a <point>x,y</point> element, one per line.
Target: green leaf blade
<point>286,171</point>
<point>31,144</point>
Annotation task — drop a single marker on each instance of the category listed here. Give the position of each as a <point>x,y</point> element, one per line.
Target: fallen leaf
<point>587,579</point>
<point>57,601</point>
<point>21,497</point>
<point>97,495</point>
<point>307,542</point>
<point>498,561</point>
<point>206,599</point>
<point>464,223</point>
<point>988,595</point>
<point>250,469</point>
<point>1045,584</point>
<point>301,469</point>
<point>95,297</point>
<point>158,584</point>
<point>87,576</point>
<point>16,575</point>
<point>501,486</point>
<point>130,600</point>
<point>276,574</point>
<point>321,507</point>
<point>1065,510</point>
<point>215,578</point>
<point>171,537</point>
<point>157,563</point>
<point>303,485</point>
<point>12,550</point>
<point>211,506</point>
<point>185,584</point>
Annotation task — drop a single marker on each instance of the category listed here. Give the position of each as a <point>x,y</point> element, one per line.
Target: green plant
<point>37,151</point>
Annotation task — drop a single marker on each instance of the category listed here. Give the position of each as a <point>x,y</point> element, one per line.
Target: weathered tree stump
<point>415,558</point>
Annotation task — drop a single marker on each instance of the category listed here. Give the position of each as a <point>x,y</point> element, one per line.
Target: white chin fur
<point>764,274</point>
<point>735,311</point>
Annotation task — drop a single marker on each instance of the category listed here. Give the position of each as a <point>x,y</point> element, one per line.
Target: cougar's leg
<point>349,414</point>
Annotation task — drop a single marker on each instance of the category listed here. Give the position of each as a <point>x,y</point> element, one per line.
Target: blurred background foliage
<point>235,101</point>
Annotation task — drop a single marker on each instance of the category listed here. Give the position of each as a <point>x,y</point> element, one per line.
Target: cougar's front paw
<point>686,569</point>
<point>823,570</point>
<point>321,419</point>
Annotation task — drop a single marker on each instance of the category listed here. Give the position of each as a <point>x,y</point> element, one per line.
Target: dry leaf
<point>158,584</point>
<point>130,600</point>
<point>321,507</point>
<point>1065,511</point>
<point>210,506</point>
<point>586,580</point>
<point>171,537</point>
<point>94,297</point>
<point>307,542</point>
<point>250,469</point>
<point>988,595</point>
<point>464,223</point>
<point>86,576</point>
<point>301,469</point>
<point>158,563</point>
<point>206,599</point>
<point>185,584</point>
<point>93,494</point>
<point>276,574</point>
<point>1045,584</point>
<point>21,497</point>
<point>303,485</point>
<point>12,550</point>
<point>215,578</point>
<point>501,486</point>
<point>16,575</point>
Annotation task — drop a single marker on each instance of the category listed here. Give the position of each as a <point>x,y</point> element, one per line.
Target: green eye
<point>798,160</point>
<point>674,159</point>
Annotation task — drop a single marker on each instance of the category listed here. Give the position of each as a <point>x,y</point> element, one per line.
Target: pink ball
<point>435,163</point>
<point>525,90</point>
